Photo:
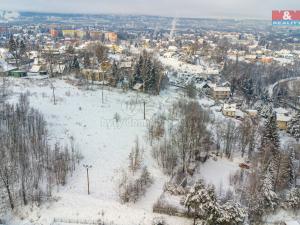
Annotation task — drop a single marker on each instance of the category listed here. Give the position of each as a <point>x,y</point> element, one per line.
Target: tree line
<point>29,166</point>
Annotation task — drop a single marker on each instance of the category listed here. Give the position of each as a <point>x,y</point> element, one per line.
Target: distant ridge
<point>6,15</point>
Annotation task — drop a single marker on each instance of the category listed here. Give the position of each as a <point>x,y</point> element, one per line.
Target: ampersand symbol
<point>286,15</point>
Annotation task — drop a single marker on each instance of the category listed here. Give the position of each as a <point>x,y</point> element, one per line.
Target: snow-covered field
<point>104,144</point>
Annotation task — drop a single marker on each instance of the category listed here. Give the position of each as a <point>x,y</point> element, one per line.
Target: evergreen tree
<point>291,168</point>
<point>284,170</point>
<point>137,76</point>
<point>203,203</point>
<point>268,195</point>
<point>231,214</point>
<point>265,110</point>
<point>191,90</point>
<point>270,140</point>
<point>70,50</point>
<point>150,82</point>
<point>248,88</point>
<point>255,209</point>
<point>12,47</point>
<point>86,60</point>
<point>148,71</point>
<point>115,71</point>
<point>292,199</point>
<point>75,65</point>
<point>22,48</point>
<point>294,126</point>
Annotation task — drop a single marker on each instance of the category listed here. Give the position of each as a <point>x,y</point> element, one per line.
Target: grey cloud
<point>260,9</point>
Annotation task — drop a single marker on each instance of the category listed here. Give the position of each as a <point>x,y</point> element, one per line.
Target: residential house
<point>298,182</point>
<point>39,67</point>
<point>68,33</point>
<point>111,36</point>
<point>229,110</point>
<point>5,68</point>
<point>17,73</point>
<point>54,33</point>
<point>282,120</point>
<point>290,222</point>
<point>138,87</point>
<point>252,113</point>
<point>220,92</point>
<point>240,115</point>
<point>95,35</point>
<point>125,65</point>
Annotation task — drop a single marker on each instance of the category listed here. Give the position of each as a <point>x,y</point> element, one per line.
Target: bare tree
<point>27,164</point>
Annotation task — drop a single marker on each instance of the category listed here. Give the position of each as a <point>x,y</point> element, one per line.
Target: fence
<point>169,211</point>
<point>82,221</point>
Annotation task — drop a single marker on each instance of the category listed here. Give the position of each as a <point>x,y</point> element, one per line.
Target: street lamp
<point>87,176</point>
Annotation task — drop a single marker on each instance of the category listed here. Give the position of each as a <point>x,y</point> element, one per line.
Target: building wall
<point>68,33</point>
<point>282,125</point>
<point>80,33</point>
<point>221,94</point>
<point>74,33</point>
<point>95,35</point>
<point>111,36</point>
<point>53,33</point>
<point>229,113</point>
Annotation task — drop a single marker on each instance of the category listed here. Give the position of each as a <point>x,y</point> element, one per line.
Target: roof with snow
<point>5,67</point>
<point>281,110</point>
<point>251,110</point>
<point>239,113</point>
<point>125,64</point>
<point>229,107</point>
<point>291,222</point>
<point>202,85</point>
<point>4,53</point>
<point>35,69</point>
<point>283,117</point>
<point>138,86</point>
<point>225,89</point>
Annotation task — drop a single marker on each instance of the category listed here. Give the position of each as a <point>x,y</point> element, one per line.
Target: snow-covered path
<point>273,86</point>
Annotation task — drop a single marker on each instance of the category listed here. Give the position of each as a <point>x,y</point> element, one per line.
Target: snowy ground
<point>218,173</point>
<point>185,67</point>
<point>104,144</point>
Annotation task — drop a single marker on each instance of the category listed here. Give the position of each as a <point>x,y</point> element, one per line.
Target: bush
<point>132,188</point>
<point>292,199</point>
<point>158,221</point>
<point>117,117</point>
<point>191,90</point>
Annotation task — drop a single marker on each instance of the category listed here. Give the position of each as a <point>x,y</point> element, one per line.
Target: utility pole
<point>104,70</point>
<point>144,109</point>
<point>102,88</point>
<point>87,176</point>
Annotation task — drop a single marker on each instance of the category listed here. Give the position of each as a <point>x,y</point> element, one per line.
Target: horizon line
<point>135,14</point>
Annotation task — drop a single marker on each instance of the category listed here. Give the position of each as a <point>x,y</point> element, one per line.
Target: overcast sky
<point>260,9</point>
